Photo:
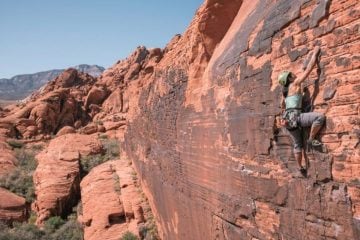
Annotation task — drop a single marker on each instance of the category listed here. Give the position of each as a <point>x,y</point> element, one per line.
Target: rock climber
<point>293,118</point>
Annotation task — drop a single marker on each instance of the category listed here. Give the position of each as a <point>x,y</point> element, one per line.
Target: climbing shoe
<point>314,143</point>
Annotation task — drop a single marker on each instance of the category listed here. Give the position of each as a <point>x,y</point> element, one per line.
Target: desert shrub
<point>89,162</point>
<point>149,230</point>
<point>103,136</point>
<point>78,208</point>
<point>26,158</point>
<point>55,229</point>
<point>129,236</point>
<point>20,181</point>
<point>53,223</point>
<point>111,147</point>
<point>15,143</point>
<point>71,230</point>
<point>21,231</point>
<point>32,218</point>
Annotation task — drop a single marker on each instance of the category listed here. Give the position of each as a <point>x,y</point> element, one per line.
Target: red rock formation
<point>58,104</point>
<point>113,185</point>
<point>66,130</point>
<point>202,124</point>
<point>57,176</point>
<point>12,207</point>
<point>96,95</point>
<point>7,159</point>
<point>198,120</point>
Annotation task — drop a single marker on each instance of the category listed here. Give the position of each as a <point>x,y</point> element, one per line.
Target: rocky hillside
<point>198,133</point>
<point>61,168</point>
<point>20,86</point>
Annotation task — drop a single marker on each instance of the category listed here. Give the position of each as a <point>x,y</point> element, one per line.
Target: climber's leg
<point>298,146</point>
<point>316,121</point>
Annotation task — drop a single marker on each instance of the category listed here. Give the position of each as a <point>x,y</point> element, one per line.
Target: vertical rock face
<point>57,176</point>
<point>202,129</point>
<point>199,121</point>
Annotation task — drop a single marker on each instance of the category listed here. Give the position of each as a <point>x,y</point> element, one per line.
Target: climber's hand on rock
<point>316,50</point>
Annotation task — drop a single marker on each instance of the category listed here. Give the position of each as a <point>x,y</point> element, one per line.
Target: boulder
<point>96,95</point>
<point>59,103</point>
<point>89,129</point>
<point>66,130</point>
<point>12,207</point>
<point>57,176</point>
<point>114,103</point>
<point>110,125</point>
<point>111,183</point>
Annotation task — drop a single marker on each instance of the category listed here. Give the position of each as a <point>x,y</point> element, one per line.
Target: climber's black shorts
<point>305,120</point>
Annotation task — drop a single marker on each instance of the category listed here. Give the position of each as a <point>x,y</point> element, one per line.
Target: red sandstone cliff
<point>198,121</point>
<point>202,128</point>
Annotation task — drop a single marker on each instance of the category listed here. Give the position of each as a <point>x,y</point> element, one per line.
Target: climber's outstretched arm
<point>309,67</point>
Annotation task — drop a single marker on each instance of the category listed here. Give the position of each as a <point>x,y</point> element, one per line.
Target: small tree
<point>129,236</point>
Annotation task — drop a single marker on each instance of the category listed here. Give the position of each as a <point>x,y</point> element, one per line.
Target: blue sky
<point>38,35</point>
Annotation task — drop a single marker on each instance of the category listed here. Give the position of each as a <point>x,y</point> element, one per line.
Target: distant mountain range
<point>20,86</point>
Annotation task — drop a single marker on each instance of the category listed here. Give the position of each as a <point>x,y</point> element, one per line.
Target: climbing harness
<point>292,116</point>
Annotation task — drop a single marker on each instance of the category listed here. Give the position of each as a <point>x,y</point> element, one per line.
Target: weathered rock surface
<point>113,185</point>
<point>201,126</point>
<point>20,86</point>
<point>96,95</point>
<point>7,159</point>
<point>58,104</point>
<point>66,130</point>
<point>199,121</point>
<point>12,207</point>
<point>57,176</point>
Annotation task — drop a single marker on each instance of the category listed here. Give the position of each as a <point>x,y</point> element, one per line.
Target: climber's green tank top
<point>294,101</point>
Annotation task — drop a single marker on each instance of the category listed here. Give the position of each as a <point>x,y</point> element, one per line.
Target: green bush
<point>20,180</point>
<point>71,230</point>
<point>20,183</point>
<point>26,158</point>
<point>21,231</point>
<point>89,162</point>
<point>112,149</point>
<point>129,236</point>
<point>55,229</point>
<point>111,152</point>
<point>103,136</point>
<point>149,230</point>
<point>15,143</point>
<point>53,224</point>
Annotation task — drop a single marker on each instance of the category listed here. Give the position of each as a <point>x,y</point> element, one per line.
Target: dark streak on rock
<point>342,61</point>
<point>295,54</point>
<point>287,44</point>
<point>330,90</point>
<point>323,30</point>
<point>320,12</point>
<point>281,15</point>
